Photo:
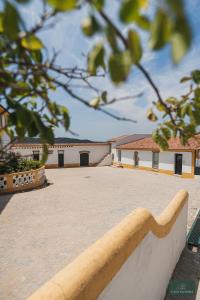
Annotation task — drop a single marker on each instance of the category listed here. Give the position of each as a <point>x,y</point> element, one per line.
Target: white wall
<point>166,159</point>
<point>71,154</point>
<point>114,151</point>
<point>146,273</point>
<point>127,157</point>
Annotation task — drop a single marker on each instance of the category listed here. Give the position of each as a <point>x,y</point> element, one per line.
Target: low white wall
<point>146,273</point>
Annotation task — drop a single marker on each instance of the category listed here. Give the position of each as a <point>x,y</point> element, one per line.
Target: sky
<point>66,37</point>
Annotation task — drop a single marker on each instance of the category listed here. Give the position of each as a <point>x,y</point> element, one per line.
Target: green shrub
<point>14,163</point>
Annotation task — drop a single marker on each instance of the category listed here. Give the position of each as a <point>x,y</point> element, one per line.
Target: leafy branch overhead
<point>29,77</point>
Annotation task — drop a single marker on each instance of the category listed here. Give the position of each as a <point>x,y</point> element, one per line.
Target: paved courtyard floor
<point>43,230</point>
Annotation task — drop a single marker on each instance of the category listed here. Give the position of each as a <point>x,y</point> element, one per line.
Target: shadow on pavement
<point>4,199</point>
<point>187,268</point>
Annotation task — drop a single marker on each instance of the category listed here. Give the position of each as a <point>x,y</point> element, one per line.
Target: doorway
<point>178,163</point>
<point>136,159</point>
<point>84,159</point>
<point>36,155</point>
<point>155,160</point>
<point>60,158</point>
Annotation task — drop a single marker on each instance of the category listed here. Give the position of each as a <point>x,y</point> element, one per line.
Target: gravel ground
<point>43,230</point>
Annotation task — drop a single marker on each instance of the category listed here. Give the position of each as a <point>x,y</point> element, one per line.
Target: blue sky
<point>67,37</point>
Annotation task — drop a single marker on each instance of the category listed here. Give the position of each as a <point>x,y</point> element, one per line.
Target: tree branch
<point>86,103</point>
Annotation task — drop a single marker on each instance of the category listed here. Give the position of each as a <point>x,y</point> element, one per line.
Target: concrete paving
<point>41,231</point>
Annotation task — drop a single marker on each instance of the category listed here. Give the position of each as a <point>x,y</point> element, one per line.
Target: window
<point>119,155</point>
<point>155,160</point>
<point>36,155</point>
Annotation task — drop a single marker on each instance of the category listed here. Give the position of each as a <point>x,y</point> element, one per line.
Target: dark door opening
<point>197,162</point>
<point>119,153</point>
<point>60,159</point>
<point>155,160</point>
<point>84,159</point>
<point>136,159</point>
<point>178,163</point>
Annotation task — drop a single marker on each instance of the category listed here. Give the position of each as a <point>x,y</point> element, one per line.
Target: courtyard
<point>43,230</point>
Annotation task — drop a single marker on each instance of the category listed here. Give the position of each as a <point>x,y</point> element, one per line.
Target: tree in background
<point>28,75</point>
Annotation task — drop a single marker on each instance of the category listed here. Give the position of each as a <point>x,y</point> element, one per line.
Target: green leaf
<point>176,6</point>
<point>95,102</point>
<point>135,46</point>
<point>11,21</point>
<point>186,78</point>
<point>160,139</point>
<point>62,5</point>
<point>1,22</point>
<point>179,47</point>
<point>90,26</point>
<point>99,4</point>
<point>143,22</point>
<point>112,39</point>
<point>96,58</point>
<point>166,132</point>
<point>143,3</point>
<point>172,100</point>
<point>160,30</point>
<point>151,115</point>
<point>181,39</point>
<point>129,11</point>
<point>160,106</point>
<point>197,94</point>
<point>104,96</point>
<point>183,110</point>
<point>196,76</point>
<point>37,56</point>
<point>66,117</point>
<point>120,66</point>
<point>31,42</point>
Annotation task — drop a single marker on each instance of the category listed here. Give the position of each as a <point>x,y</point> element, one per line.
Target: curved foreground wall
<point>21,181</point>
<point>134,260</point>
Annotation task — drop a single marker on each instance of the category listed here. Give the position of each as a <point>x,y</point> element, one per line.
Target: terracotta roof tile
<point>174,144</point>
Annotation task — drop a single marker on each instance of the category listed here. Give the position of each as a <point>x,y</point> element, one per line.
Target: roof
<point>114,139</point>
<point>57,141</point>
<point>124,139</point>
<point>174,144</point>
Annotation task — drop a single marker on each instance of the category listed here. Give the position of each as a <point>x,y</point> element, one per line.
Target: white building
<point>66,152</point>
<point>124,139</point>
<point>145,154</point>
